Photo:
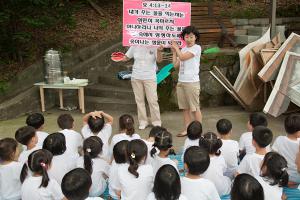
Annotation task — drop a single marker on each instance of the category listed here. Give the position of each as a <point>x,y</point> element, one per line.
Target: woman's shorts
<point>188,95</point>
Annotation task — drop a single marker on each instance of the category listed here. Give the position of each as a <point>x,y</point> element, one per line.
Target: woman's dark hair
<point>274,168</point>
<point>167,184</point>
<point>24,134</point>
<point>36,120</point>
<point>211,143</point>
<point>136,152</point>
<point>65,121</point>
<point>194,130</point>
<point>163,142</point>
<point>156,130</point>
<point>92,147</point>
<point>246,187</point>
<point>126,123</point>
<point>96,124</point>
<point>76,184</point>
<point>190,29</point>
<point>197,160</point>
<point>119,151</point>
<point>38,162</point>
<point>55,143</point>
<point>224,126</point>
<point>292,123</point>
<point>8,147</point>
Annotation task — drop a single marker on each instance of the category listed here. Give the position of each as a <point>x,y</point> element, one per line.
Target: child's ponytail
<point>92,147</point>
<point>136,152</point>
<point>211,143</point>
<point>284,178</point>
<point>126,122</point>
<point>24,173</point>
<point>153,151</point>
<point>163,142</point>
<point>45,177</point>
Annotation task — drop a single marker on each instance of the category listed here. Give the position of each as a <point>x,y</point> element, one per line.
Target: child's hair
<point>76,184</point>
<point>257,119</point>
<point>55,143</point>
<point>167,183</point>
<point>126,123</point>
<point>197,160</point>
<point>262,136</point>
<point>156,130</point>
<point>136,152</point>
<point>163,142</point>
<point>92,147</point>
<point>38,162</point>
<point>292,123</point>
<point>65,121</point>
<point>274,167</point>
<point>24,134</point>
<point>194,130</point>
<point>35,120</point>
<point>224,126</point>
<point>8,147</point>
<point>211,143</point>
<point>246,187</point>
<point>188,30</point>
<point>119,151</point>
<point>96,124</point>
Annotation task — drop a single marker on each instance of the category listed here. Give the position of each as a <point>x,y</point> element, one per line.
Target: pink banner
<point>151,23</point>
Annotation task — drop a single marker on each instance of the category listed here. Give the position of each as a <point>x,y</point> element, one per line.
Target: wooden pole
<point>273,18</point>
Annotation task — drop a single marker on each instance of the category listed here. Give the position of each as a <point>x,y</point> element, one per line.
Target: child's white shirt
<point>230,152</point>
<point>149,158</point>
<point>120,137</point>
<point>215,173</point>
<point>133,188</point>
<point>188,143</point>
<point>251,164</point>
<point>104,134</point>
<point>94,198</point>
<point>10,184</point>
<point>151,196</point>
<point>158,162</point>
<point>23,157</point>
<point>200,188</point>
<point>245,143</point>
<point>288,149</point>
<point>31,189</point>
<point>271,192</point>
<point>41,137</point>
<point>73,141</point>
<point>60,165</point>
<point>113,178</point>
<point>100,167</point>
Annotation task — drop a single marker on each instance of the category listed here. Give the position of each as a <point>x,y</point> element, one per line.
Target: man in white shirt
<point>262,137</point>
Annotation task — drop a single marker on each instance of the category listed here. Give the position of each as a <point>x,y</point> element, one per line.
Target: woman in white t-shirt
<point>62,162</point>
<point>217,166</point>
<point>143,81</point>
<point>188,86</point>
<point>94,164</point>
<point>98,123</point>
<point>39,185</point>
<point>10,170</point>
<point>134,179</point>
<point>166,185</point>
<point>274,176</point>
<point>163,142</point>
<point>127,131</point>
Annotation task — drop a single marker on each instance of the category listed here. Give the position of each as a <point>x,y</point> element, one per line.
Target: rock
<point>210,85</point>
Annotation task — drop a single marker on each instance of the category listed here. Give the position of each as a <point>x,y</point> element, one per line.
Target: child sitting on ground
<point>26,136</point>
<point>230,148</point>
<point>39,185</point>
<point>163,142</point>
<point>217,167</point>
<point>98,123</point>
<point>194,131</point>
<point>62,162</point>
<point>288,146</point>
<point>76,184</point>
<point>36,120</point>
<point>94,164</point>
<point>273,175</point>
<point>245,143</point>
<point>262,137</point>
<point>10,170</point>
<point>193,185</point>
<point>73,138</point>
